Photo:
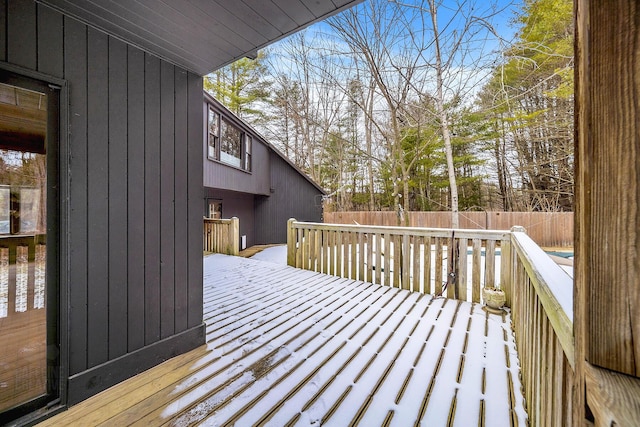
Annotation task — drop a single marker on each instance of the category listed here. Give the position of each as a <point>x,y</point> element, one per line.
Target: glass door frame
<point>57,292</point>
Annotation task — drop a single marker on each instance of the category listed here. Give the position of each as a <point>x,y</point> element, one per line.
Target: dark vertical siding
<point>219,175</point>
<point>151,199</point>
<point>50,42</point>
<point>194,201</point>
<point>181,244</point>
<point>293,197</point>
<point>21,19</point>
<point>118,209</point>
<point>3,31</point>
<point>97,200</point>
<point>167,217</point>
<point>135,194</point>
<point>75,64</point>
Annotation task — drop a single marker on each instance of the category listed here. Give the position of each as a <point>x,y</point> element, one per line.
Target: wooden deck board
<point>293,347</point>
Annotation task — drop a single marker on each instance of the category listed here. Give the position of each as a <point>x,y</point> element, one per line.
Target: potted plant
<point>494,299</point>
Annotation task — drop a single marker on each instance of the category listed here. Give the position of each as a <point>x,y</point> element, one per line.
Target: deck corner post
<point>291,243</point>
<point>235,236</point>
<point>518,229</point>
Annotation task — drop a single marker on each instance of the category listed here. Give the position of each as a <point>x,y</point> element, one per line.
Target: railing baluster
<point>340,254</point>
<point>387,259</point>
<point>300,247</point>
<point>406,260</point>
<point>361,256</point>
<point>438,269</point>
<point>426,273</point>
<point>476,270</point>
<point>416,262</point>
<point>369,252</point>
<point>378,248</point>
<point>353,242</point>
<point>462,269</point>
<point>490,264</point>
<point>397,260</point>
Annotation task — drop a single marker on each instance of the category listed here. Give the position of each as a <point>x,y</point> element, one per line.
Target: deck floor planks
<point>293,347</point>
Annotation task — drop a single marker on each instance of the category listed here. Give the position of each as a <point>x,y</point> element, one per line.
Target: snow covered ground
<point>274,254</point>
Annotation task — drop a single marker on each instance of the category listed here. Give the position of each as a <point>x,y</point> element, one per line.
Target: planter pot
<point>494,299</point>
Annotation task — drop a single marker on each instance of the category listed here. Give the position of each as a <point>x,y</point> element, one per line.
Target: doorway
<point>29,301</point>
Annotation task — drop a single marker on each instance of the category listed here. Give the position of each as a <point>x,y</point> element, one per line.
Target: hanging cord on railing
<point>452,275</point>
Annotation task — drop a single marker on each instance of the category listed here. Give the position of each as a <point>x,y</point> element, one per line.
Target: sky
<point>481,48</point>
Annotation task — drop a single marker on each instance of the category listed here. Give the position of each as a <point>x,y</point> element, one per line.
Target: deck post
<point>234,236</point>
<point>606,241</point>
<point>291,243</point>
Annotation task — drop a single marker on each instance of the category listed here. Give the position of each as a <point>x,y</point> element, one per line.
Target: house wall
<point>293,196</point>
<point>132,251</point>
<point>223,176</point>
<point>235,204</point>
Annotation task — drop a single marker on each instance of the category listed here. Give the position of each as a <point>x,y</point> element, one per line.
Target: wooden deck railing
<point>539,292</point>
<point>222,236</point>
<point>418,259</point>
<point>542,313</point>
<point>23,357</point>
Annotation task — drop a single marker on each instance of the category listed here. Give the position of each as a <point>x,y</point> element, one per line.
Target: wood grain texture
<point>582,206</point>
<point>612,282</point>
<point>613,398</point>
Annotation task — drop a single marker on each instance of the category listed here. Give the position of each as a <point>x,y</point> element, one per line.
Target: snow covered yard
<point>294,347</point>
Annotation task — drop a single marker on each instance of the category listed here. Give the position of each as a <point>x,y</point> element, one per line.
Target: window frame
<point>213,149</point>
<point>215,143</point>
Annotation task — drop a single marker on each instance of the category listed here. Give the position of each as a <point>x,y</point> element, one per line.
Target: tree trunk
<point>444,122</point>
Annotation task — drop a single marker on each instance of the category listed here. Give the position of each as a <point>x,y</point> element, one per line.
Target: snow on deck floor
<point>294,347</point>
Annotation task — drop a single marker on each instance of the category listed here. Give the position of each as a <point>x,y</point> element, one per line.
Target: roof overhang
<point>200,35</point>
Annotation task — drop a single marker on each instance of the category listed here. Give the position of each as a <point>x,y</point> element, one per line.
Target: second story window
<point>214,134</point>
<point>230,144</point>
<point>227,142</point>
<point>247,153</point>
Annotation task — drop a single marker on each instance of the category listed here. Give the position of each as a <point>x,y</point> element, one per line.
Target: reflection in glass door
<point>23,250</point>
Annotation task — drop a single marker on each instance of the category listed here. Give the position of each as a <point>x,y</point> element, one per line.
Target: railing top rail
<point>553,286</point>
<point>218,220</point>
<point>413,231</point>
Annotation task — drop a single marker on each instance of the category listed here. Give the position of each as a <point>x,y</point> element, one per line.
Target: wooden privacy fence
<point>418,259</point>
<point>542,313</point>
<point>222,236</point>
<point>547,229</point>
<point>538,291</point>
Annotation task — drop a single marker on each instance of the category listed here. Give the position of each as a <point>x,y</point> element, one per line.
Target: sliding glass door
<point>28,325</point>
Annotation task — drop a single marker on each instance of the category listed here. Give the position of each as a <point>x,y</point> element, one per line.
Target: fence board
<point>547,229</point>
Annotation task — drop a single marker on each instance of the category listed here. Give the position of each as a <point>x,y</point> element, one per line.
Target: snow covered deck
<point>293,347</point>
